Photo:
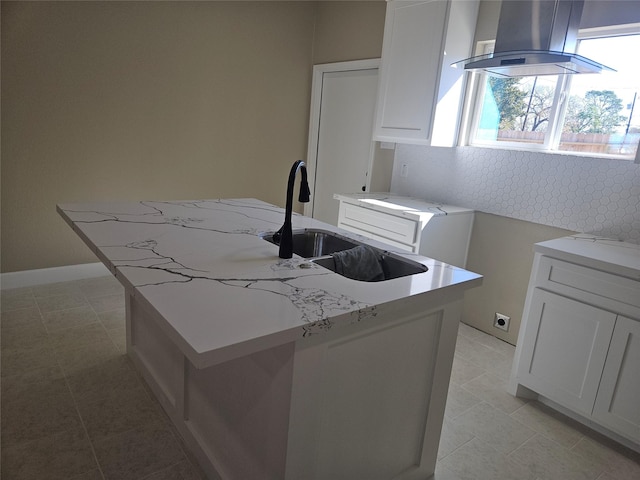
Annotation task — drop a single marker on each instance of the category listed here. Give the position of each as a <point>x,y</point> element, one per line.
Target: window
<point>583,114</point>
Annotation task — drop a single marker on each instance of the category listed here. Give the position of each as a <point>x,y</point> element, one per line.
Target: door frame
<point>314,117</point>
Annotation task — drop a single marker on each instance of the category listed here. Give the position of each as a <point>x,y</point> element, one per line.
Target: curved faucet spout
<point>285,233</point>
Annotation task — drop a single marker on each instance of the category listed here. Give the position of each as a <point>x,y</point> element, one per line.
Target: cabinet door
<point>618,401</point>
<point>410,69</point>
<point>564,349</point>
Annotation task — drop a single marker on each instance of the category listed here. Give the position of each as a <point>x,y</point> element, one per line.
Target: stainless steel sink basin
<point>393,266</point>
<point>311,243</point>
<point>318,245</point>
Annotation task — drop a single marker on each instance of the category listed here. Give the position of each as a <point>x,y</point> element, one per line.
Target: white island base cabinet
<point>353,402</point>
<point>579,344</point>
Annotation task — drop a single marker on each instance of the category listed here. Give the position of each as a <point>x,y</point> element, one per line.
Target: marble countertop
<point>408,207</point>
<point>601,253</point>
<point>221,291</point>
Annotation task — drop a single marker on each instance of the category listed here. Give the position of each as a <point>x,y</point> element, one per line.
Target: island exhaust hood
<point>536,37</point>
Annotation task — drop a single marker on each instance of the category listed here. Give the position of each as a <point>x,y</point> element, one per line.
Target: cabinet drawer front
<point>379,224</point>
<point>398,245</point>
<point>555,274</point>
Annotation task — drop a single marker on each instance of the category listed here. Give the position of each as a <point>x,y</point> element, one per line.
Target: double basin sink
<point>318,246</point>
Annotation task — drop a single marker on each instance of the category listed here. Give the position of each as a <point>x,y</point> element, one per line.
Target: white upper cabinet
<point>420,94</point>
<point>410,65</point>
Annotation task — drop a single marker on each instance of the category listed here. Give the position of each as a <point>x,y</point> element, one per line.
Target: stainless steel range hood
<point>536,37</point>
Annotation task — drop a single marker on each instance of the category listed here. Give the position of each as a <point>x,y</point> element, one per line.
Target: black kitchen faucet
<point>284,236</point>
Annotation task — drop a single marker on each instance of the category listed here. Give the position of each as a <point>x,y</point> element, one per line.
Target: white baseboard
<point>29,278</point>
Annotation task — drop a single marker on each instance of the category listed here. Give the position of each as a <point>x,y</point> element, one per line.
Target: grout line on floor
<point>84,427</point>
<point>75,402</point>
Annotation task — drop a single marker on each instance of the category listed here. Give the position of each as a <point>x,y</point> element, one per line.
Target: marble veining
<point>313,303</point>
<point>203,268</point>
<point>157,215</point>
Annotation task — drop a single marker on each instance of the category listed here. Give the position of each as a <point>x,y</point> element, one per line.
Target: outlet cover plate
<point>501,321</point>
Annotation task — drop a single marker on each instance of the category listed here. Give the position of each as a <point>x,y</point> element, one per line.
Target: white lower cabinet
<point>618,401</point>
<point>441,232</point>
<point>566,360</point>
<point>579,343</point>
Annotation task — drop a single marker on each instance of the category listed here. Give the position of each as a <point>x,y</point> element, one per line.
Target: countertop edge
<point>210,358</point>
<point>600,253</point>
<point>412,212</point>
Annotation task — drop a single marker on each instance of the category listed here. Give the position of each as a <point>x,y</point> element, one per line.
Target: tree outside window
<point>599,114</point>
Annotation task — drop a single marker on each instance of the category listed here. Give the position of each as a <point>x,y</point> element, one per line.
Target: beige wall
<point>156,100</point>
<point>348,31</point>
<point>501,249</point>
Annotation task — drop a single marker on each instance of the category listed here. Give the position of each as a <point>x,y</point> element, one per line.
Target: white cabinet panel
<point>447,238</point>
<point>394,436</point>
<point>420,94</point>
<point>411,63</point>
<point>565,361</point>
<point>618,402</point>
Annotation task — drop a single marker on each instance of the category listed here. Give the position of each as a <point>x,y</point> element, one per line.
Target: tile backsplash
<point>590,195</point>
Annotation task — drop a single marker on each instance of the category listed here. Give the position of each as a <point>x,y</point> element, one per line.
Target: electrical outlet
<point>501,321</point>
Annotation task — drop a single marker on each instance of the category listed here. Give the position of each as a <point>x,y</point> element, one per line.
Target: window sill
<point>565,153</point>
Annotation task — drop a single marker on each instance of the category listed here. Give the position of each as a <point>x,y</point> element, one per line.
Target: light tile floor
<point>74,408</point>
<point>489,434</point>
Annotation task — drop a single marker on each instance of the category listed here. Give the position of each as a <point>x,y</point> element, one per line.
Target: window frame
<point>476,90</point>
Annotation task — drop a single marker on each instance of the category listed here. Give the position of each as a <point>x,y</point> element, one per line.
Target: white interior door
<point>341,133</point>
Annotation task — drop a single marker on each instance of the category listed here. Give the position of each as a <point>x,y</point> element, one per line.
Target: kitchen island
<point>277,368</point>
